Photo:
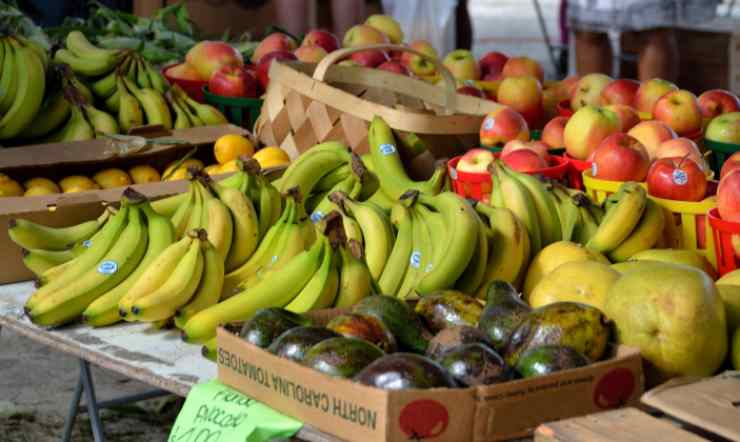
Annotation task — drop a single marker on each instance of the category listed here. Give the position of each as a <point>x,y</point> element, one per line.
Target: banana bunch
<point>190,113</point>
<point>85,58</point>
<point>22,84</point>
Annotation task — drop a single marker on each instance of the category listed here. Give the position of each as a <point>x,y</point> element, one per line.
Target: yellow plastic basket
<point>598,189</point>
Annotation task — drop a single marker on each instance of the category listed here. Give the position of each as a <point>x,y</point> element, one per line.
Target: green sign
<point>214,412</point>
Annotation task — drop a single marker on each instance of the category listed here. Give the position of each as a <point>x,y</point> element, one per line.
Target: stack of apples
<point>728,196</point>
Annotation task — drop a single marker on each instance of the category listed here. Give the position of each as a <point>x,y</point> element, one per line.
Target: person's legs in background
<point>659,55</point>
<point>463,25</point>
<point>593,53</point>
<point>347,13</point>
<point>292,15</point>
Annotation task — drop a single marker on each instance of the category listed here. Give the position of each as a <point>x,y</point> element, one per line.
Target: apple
<point>310,54</point>
<point>620,157</point>
<point>679,110</point>
<point>730,164</point>
<point>537,147</point>
<point>233,81</point>
<point>728,197</point>
<point>395,67</point>
<point>724,128</point>
<point>263,67</point>
<point>650,92</point>
<point>277,41</point>
<point>679,148</point>
<point>324,39</point>
<point>475,161</point>
<point>718,101</point>
<point>589,89</point>
<point>627,116</point>
<point>348,63</point>
<point>388,26</point>
<point>416,64</point>
<point>183,71</point>
<point>569,85</point>
<point>492,65</point>
<point>553,132</point>
<point>206,57</point>
<point>462,65</point>
<point>518,66</point>
<point>501,126</point>
<point>524,95</point>
<point>620,91</point>
<point>370,58</point>
<point>585,130</point>
<point>676,179</point>
<point>524,160</point>
<point>550,99</point>
<point>651,134</point>
<point>363,35</point>
<point>472,90</point>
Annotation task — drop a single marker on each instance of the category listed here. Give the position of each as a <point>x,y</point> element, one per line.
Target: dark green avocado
<point>269,323</point>
<point>400,371</point>
<point>503,313</point>
<point>342,357</point>
<point>448,308</point>
<point>294,343</point>
<point>369,328</point>
<point>454,337</point>
<point>398,317</point>
<point>547,359</point>
<point>475,364</point>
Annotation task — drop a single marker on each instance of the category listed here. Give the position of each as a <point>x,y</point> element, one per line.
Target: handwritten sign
<point>214,412</point>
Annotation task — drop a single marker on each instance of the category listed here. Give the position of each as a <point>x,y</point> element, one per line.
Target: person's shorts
<point>637,15</point>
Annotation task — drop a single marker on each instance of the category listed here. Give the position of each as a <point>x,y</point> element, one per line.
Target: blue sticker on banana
<point>87,243</point>
<point>415,259</point>
<point>317,216</point>
<point>387,149</point>
<point>108,267</point>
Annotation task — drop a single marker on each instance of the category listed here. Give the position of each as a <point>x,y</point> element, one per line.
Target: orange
<point>9,186</point>
<point>77,183</point>
<point>230,147</point>
<point>144,173</point>
<point>110,178</point>
<point>44,183</point>
<point>271,156</point>
<point>39,190</point>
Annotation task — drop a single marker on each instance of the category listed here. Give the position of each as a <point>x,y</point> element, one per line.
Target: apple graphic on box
<point>277,41</point>
<point>679,110</point>
<point>553,132</point>
<point>370,58</point>
<point>588,91</point>
<point>620,91</point>
<point>650,92</point>
<point>462,65</point>
<point>233,81</point>
<point>676,179</point>
<point>651,134</point>
<point>395,67</point>
<point>183,71</point>
<point>263,67</point>
<point>728,197</point>
<point>615,388</point>
<point>679,148</point>
<point>363,35</point>
<point>537,147</point>
<point>388,26</point>
<point>492,64</point>
<point>717,102</point>
<point>423,419</point>
<point>620,157</point>
<point>501,126</point>
<point>524,160</point>
<point>310,54</point>
<point>730,164</point>
<point>627,116</point>
<point>724,128</point>
<point>586,129</point>
<point>473,91</point>
<point>319,37</point>
<point>206,57</point>
<point>475,161</point>
<point>518,66</point>
<point>524,95</point>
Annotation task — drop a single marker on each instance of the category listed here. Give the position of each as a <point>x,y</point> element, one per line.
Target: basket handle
<point>449,81</point>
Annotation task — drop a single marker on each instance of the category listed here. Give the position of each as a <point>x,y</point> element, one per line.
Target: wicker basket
<point>308,104</point>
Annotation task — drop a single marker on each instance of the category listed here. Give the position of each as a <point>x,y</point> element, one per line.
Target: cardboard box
<point>359,413</point>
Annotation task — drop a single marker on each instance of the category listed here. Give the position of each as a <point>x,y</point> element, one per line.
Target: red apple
<point>621,91</point>
<point>627,116</point>
<point>395,67</point>
<point>679,110</point>
<point>676,179</point>
<point>475,161</point>
<point>324,39</point>
<point>492,65</point>
<point>569,85</point>
<point>730,164</point>
<point>651,134</point>
<point>553,133</point>
<point>370,58</point>
<point>471,90</point>
<point>524,95</point>
<point>718,101</point>
<point>462,65</point>
<point>274,42</point>
<point>537,147</point>
<point>183,71</point>
<point>650,92</point>
<point>501,126</point>
<point>207,57</point>
<point>620,157</point>
<point>310,54</point>
<point>233,81</point>
<point>728,197</point>
<point>363,35</point>
<point>524,160</point>
<point>263,67</point>
<point>681,147</point>
<point>519,66</point>
<point>586,129</point>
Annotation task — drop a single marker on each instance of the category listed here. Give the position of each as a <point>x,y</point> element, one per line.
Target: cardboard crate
<point>360,413</point>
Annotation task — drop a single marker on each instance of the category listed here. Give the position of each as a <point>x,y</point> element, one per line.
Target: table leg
<point>74,407</point>
<point>91,401</point>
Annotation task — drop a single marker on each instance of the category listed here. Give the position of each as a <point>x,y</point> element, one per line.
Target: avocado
<point>475,364</point>
<point>453,337</point>
<point>580,326</point>
<point>547,359</point>
<point>398,317</point>
<point>447,308</point>
<point>269,323</point>
<point>400,371</point>
<point>342,357</point>
<point>503,313</point>
<point>294,343</point>
<point>369,328</point>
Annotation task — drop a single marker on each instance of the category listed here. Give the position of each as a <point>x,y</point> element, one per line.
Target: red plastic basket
<point>723,231</point>
<point>564,109</point>
<point>575,171</point>
<point>194,88</point>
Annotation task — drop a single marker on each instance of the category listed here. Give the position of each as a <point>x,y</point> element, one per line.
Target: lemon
<point>182,171</point>
<point>77,183</point>
<point>213,169</point>
<point>42,182</point>
<point>110,178</point>
<point>230,147</point>
<point>9,186</point>
<point>38,191</point>
<point>231,166</point>
<point>271,156</point>
<point>144,173</point>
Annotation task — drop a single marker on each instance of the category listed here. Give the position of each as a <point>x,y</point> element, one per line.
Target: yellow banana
<point>645,235</point>
<point>153,103</point>
<point>623,213</point>
<point>355,281</point>
<point>472,278</point>
<point>218,224</point>
<point>39,261</point>
<point>517,199</point>
<point>395,268</point>
<point>209,290</point>
<point>547,214</point>
<point>101,122</point>
<point>182,215</point>
<point>321,289</point>
<point>209,115</point>
<point>30,235</point>
<point>168,206</point>
<point>245,226</point>
<point>420,257</point>
<point>509,251</point>
<point>130,114</point>
<point>76,129</point>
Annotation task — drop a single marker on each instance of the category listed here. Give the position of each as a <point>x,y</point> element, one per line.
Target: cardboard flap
<point>709,403</point>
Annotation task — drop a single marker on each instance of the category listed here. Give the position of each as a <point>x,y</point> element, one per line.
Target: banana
<point>89,67</point>
<point>509,252</point>
<point>42,53</point>
<point>547,214</point>
<point>207,114</point>
<point>104,310</point>
<point>270,204</point>
<point>113,103</point>
<point>275,290</point>
<point>350,186</point>
<point>395,268</point>
<point>308,168</point>
<point>68,302</point>
<point>321,290</point>
<point>179,287</point>
<point>332,178</point>
<point>211,285</point>
<point>80,46</point>
<point>419,257</point>
<point>292,242</point>
<point>210,349</point>
<point>141,77</point>
<point>245,226</point>
<point>168,206</point>
<point>101,122</point>
<point>106,86</point>
<point>182,215</point>
<point>29,93</point>
<point>472,278</point>
<point>30,235</point>
<point>129,110</point>
<point>568,212</point>
<point>156,80</point>
<point>76,129</point>
<point>194,119</point>
<point>154,276</point>
<point>181,118</point>
<point>51,116</point>
<point>80,88</point>
<point>623,213</point>
<point>352,229</point>
<point>355,281</point>
<point>644,236</point>
<point>219,226</point>
<point>517,199</point>
<point>39,260</point>
<point>587,226</point>
<point>153,103</point>
<point>195,220</point>
<point>459,244</point>
<point>8,77</point>
<point>437,229</point>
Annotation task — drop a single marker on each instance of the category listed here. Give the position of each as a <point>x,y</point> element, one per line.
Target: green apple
<point>724,128</point>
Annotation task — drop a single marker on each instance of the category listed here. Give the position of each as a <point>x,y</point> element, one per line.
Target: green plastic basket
<point>535,135</point>
<point>720,153</point>
<point>239,111</point>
